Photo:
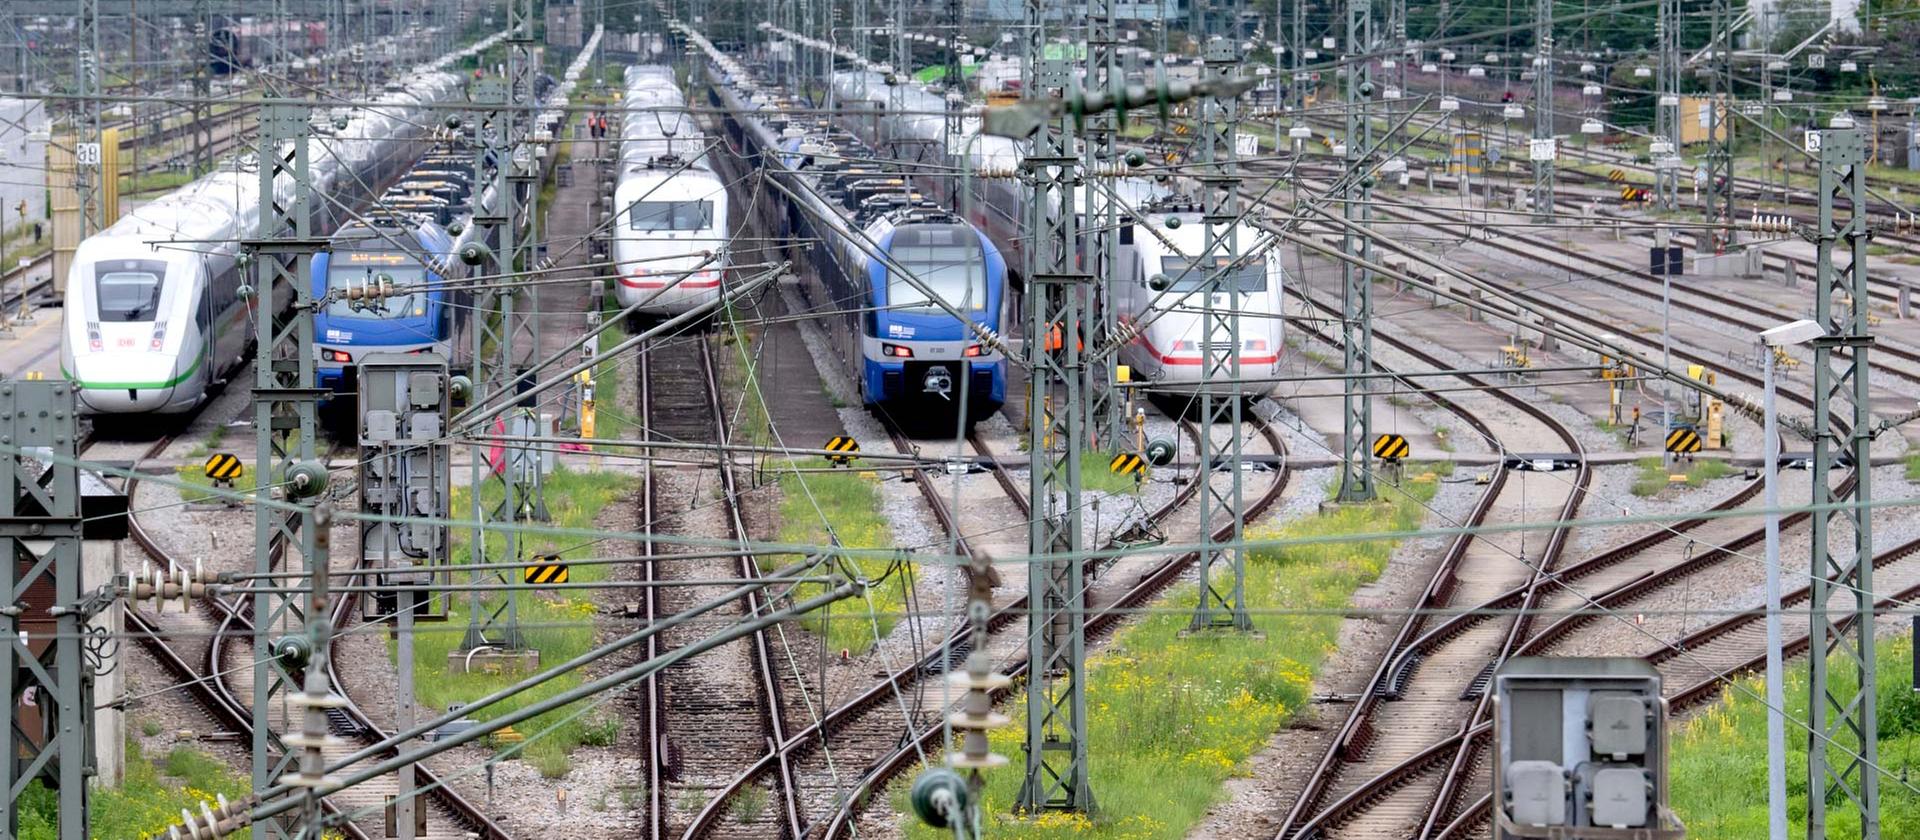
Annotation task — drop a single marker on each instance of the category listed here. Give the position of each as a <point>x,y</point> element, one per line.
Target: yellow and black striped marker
<point>1617,176</point>
<point>223,467</point>
<point>1683,441</point>
<point>844,448</point>
<point>1127,463</point>
<point>1391,447</point>
<point>545,569</point>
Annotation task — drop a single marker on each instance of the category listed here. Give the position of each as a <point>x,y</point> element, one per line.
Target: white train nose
<point>128,383</point>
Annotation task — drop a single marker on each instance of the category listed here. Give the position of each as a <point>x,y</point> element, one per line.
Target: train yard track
<point>1379,735</point>
<point>1623,575</point>
<point>707,717</point>
<point>217,675</point>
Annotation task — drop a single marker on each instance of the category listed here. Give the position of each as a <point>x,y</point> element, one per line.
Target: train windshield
<point>128,290</point>
<point>672,215</point>
<point>947,261</point>
<point>344,274</point>
<point>1189,274</point>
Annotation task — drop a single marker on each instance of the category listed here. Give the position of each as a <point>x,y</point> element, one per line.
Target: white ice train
<point>670,206</point>
<point>1162,243</point>
<point>154,317</point>
<point>1160,284</point>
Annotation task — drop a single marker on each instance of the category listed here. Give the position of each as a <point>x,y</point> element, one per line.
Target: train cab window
<point>1191,275</point>
<point>671,215</point>
<point>343,274</point>
<point>128,290</point>
<point>946,260</point>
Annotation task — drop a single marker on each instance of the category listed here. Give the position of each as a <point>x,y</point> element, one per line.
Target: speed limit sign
<point>87,154</point>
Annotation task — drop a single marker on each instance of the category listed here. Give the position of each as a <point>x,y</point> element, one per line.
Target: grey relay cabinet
<point>1580,750</point>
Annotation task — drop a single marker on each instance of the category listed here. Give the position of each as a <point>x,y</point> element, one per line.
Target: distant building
<point>23,158</point>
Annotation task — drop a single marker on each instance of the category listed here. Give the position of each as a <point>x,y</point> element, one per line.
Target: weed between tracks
<point>849,504</point>
<point>1172,718</point>
<point>1719,765</point>
<point>558,622</point>
<point>149,800</point>
<point>1654,475</point>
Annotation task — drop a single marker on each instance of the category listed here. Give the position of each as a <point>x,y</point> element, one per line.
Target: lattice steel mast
<point>1057,773</point>
<point>1665,148</point>
<point>1843,754</point>
<point>1719,186</point>
<point>1106,412</point>
<point>1356,300</point>
<point>1544,146</point>
<point>1223,604</point>
<point>40,533</point>
<point>286,400</point>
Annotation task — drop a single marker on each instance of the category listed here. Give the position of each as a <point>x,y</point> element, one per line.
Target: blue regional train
<point>907,290</point>
<point>417,256</point>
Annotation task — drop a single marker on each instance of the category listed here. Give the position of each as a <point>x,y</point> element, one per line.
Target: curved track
<point>216,675</point>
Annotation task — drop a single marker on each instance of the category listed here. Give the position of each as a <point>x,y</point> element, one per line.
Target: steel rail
<point>219,699</point>
<point>1356,733</point>
<point>771,708</point>
<point>1710,687</point>
<point>1102,620</point>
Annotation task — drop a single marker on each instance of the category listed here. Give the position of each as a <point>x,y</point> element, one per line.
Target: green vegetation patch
<point>1719,765</point>
<point>812,501</point>
<point>1913,467</point>
<point>611,420</point>
<point>1096,473</point>
<point>741,354</point>
<point>559,622</point>
<point>1173,717</point>
<point>149,800</point>
<point>1655,476</point>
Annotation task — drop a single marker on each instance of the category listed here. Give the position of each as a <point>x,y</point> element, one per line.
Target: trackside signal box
<point>1580,750</point>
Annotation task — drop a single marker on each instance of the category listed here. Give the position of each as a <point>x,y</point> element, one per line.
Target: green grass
<point>1173,717</point>
<point>1719,768</point>
<point>149,800</point>
<point>1654,475</point>
<point>849,502</point>
<point>611,420</point>
<point>1913,467</point>
<point>557,622</point>
<point>1095,474</point>
<point>200,488</point>
<point>740,357</point>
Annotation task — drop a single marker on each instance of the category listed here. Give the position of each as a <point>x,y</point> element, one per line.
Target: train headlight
<point>331,355</point>
<point>1183,346</point>
<point>93,336</point>
<point>975,351</point>
<point>159,335</point>
<point>1258,345</point>
<point>896,351</point>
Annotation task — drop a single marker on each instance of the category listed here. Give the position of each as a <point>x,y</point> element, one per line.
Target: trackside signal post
<point>1843,755</point>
